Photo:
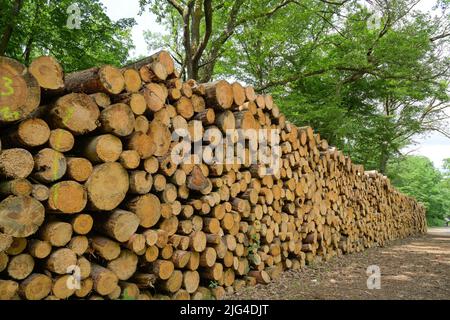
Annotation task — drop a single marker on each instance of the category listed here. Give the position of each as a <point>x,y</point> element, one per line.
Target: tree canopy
<point>369,78</point>
<point>416,176</point>
<point>32,28</point>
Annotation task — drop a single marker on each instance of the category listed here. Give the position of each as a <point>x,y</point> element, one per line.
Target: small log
<point>21,216</point>
<point>162,57</point>
<point>147,208</point>
<point>82,223</point>
<point>39,249</point>
<point>107,186</point>
<point>208,257</point>
<point>125,265</point>
<point>101,99</point>
<point>219,94</point>
<point>155,95</point>
<point>79,245</point>
<point>136,243</point>
<point>106,248</point>
<point>17,187</point>
<point>103,148</point>
<point>185,108</point>
<point>16,163</point>
<point>133,82</point>
<point>48,73</point>
<point>191,281</point>
<point>130,159</point>
<point>75,112</point>
<point>67,197</point>
<point>60,289</point>
<point>197,181</point>
<point>17,246</point>
<point>173,284</point>
<point>161,137</point>
<point>36,287</point>
<point>117,119</point>
<point>60,260</point>
<point>61,140</point>
<point>105,281</point>
<point>8,289</point>
<point>78,169</point>
<point>140,182</point>
<point>226,121</point>
<point>107,79</point>
<point>49,165</point>
<point>29,133</point>
<point>142,143</point>
<point>40,192</point>
<point>20,266</point>
<point>57,233</point>
<point>207,117</point>
<point>163,269</point>
<point>144,280</point>
<point>198,241</point>
<point>120,225</point>
<point>154,71</point>
<point>85,289</point>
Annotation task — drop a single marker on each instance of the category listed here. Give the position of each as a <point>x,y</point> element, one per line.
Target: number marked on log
<point>8,115</point>
<point>68,116</point>
<point>7,84</point>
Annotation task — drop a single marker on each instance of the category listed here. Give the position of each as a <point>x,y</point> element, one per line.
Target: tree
<point>33,28</point>
<point>416,176</point>
<point>369,89</point>
<point>200,30</point>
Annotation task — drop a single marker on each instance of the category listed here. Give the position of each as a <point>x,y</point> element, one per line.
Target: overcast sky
<point>434,146</point>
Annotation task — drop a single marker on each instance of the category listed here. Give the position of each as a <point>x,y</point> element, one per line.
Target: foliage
<point>200,30</point>
<point>368,88</point>
<point>416,176</point>
<point>41,28</point>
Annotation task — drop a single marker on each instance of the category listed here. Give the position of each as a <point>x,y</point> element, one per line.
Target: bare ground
<point>413,268</point>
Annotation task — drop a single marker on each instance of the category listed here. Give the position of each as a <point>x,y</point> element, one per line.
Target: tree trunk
<point>7,33</point>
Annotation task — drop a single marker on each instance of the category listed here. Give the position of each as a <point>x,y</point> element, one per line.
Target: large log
<point>16,163</point>
<point>20,92</point>
<point>107,79</point>
<point>162,57</point>
<point>75,112</point>
<point>48,73</point>
<point>21,216</point>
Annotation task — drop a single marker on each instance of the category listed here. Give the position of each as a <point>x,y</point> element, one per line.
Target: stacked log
<point>94,206</point>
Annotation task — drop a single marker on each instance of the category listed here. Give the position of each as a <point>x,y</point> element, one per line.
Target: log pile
<point>89,190</point>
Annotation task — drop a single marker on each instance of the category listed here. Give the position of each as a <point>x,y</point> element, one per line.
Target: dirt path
<point>415,268</point>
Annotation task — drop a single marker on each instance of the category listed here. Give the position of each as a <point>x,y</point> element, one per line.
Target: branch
<point>208,30</point>
<point>177,6</point>
<point>442,36</point>
<point>335,3</point>
<point>267,14</point>
<point>357,71</point>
